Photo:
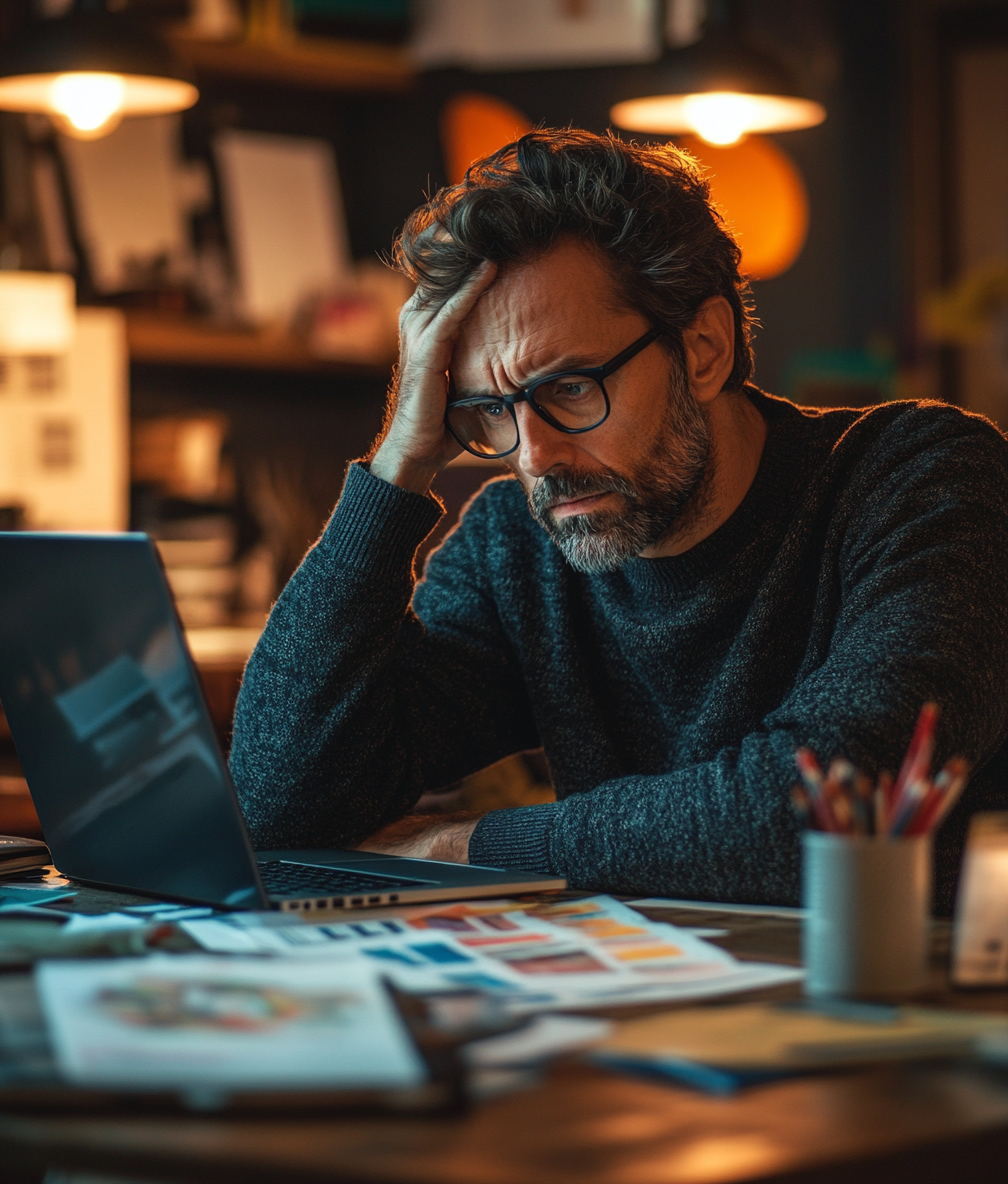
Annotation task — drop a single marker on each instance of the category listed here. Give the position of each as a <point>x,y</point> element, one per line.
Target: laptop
<point>116,743</point>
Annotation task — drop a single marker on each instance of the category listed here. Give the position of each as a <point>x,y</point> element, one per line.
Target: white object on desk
<point>867,930</point>
<point>164,1022</point>
<point>544,1037</point>
<point>101,922</point>
<point>980,931</point>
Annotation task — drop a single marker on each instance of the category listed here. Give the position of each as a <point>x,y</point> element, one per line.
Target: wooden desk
<point>580,1125</point>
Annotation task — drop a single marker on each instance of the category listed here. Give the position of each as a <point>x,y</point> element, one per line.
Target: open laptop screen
<point>110,724</point>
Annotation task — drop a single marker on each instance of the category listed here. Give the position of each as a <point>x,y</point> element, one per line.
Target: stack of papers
<point>275,1003</point>
<point>722,1048</point>
<point>536,955</point>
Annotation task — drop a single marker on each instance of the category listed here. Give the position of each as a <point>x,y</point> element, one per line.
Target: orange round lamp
<point>473,126</point>
<point>760,191</point>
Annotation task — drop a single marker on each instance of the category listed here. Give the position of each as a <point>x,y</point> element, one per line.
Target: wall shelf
<point>318,62</point>
<point>186,341</point>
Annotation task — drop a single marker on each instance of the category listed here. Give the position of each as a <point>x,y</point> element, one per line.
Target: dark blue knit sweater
<point>865,571</point>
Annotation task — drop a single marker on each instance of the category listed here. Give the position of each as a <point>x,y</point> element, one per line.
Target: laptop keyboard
<point>281,878</point>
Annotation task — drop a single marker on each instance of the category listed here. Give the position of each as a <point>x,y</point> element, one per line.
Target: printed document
<point>241,1023</point>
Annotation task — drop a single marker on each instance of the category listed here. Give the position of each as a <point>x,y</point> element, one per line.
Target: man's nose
<point>541,446</point>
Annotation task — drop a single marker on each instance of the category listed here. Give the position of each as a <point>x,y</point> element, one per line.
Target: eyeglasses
<point>572,401</point>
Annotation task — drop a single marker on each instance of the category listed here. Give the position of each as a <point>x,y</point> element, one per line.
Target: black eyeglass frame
<point>598,373</point>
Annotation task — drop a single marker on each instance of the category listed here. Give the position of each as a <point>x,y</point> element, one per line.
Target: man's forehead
<point>568,277</point>
<point>561,303</point>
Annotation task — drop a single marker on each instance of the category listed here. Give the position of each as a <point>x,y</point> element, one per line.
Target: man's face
<point>608,494</point>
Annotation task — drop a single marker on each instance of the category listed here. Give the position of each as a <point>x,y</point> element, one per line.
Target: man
<point>687,580</point>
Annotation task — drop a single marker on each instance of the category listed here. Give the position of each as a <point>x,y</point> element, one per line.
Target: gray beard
<point>666,492</point>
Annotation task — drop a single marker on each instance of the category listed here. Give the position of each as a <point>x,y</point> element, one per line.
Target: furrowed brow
<point>562,365</point>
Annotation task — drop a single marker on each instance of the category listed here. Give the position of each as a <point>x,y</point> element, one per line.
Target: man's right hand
<point>417,446</point>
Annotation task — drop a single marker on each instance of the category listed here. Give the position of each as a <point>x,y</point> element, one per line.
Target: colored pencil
<point>812,777</point>
<point>917,761</point>
<point>845,801</point>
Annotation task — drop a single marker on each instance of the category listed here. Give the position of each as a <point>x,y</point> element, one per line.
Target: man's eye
<point>491,410</point>
<point>568,389</point>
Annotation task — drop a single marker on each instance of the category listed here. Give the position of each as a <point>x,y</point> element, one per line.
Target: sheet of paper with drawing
<point>241,1023</point>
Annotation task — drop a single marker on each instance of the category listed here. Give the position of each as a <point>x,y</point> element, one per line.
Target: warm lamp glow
<point>719,117</point>
<point>88,104</point>
<point>760,192</point>
<point>37,313</point>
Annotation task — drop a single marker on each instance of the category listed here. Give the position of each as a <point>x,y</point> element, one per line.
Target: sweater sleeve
<point>350,708</point>
<point>914,584</point>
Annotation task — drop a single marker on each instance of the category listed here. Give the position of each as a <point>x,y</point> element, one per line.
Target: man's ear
<point>709,347</point>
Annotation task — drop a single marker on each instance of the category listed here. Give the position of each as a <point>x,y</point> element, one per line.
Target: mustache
<point>571,484</point>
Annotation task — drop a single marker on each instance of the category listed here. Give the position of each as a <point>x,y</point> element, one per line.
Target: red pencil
<point>917,762</point>
<point>948,785</point>
<point>918,824</point>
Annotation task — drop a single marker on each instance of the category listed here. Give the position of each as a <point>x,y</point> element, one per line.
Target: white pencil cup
<point>867,922</point>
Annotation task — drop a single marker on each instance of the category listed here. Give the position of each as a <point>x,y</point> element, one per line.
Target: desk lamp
<point>88,69</point>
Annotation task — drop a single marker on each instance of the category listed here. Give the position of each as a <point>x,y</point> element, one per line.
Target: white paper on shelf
<point>528,34</point>
<point>285,219</point>
<point>168,1022</point>
<point>126,199</point>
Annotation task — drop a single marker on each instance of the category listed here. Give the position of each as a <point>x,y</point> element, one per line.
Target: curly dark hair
<point>647,208</point>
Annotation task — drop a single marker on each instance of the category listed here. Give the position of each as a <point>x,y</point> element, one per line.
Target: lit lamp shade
<point>37,313</point>
<point>721,88</point>
<point>719,117</point>
<point>761,193</point>
<point>475,125</point>
<point>89,69</point>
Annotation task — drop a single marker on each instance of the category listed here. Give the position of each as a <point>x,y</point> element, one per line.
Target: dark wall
<point>846,286</point>
<point>844,290</point>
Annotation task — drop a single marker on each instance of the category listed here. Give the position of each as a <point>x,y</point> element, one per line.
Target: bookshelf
<point>187,341</point>
<point>318,62</point>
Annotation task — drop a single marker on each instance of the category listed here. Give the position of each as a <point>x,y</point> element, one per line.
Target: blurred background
<point>196,324</point>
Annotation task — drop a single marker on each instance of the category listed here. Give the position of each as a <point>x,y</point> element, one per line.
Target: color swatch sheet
<point>198,1020</point>
<point>534,954</point>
